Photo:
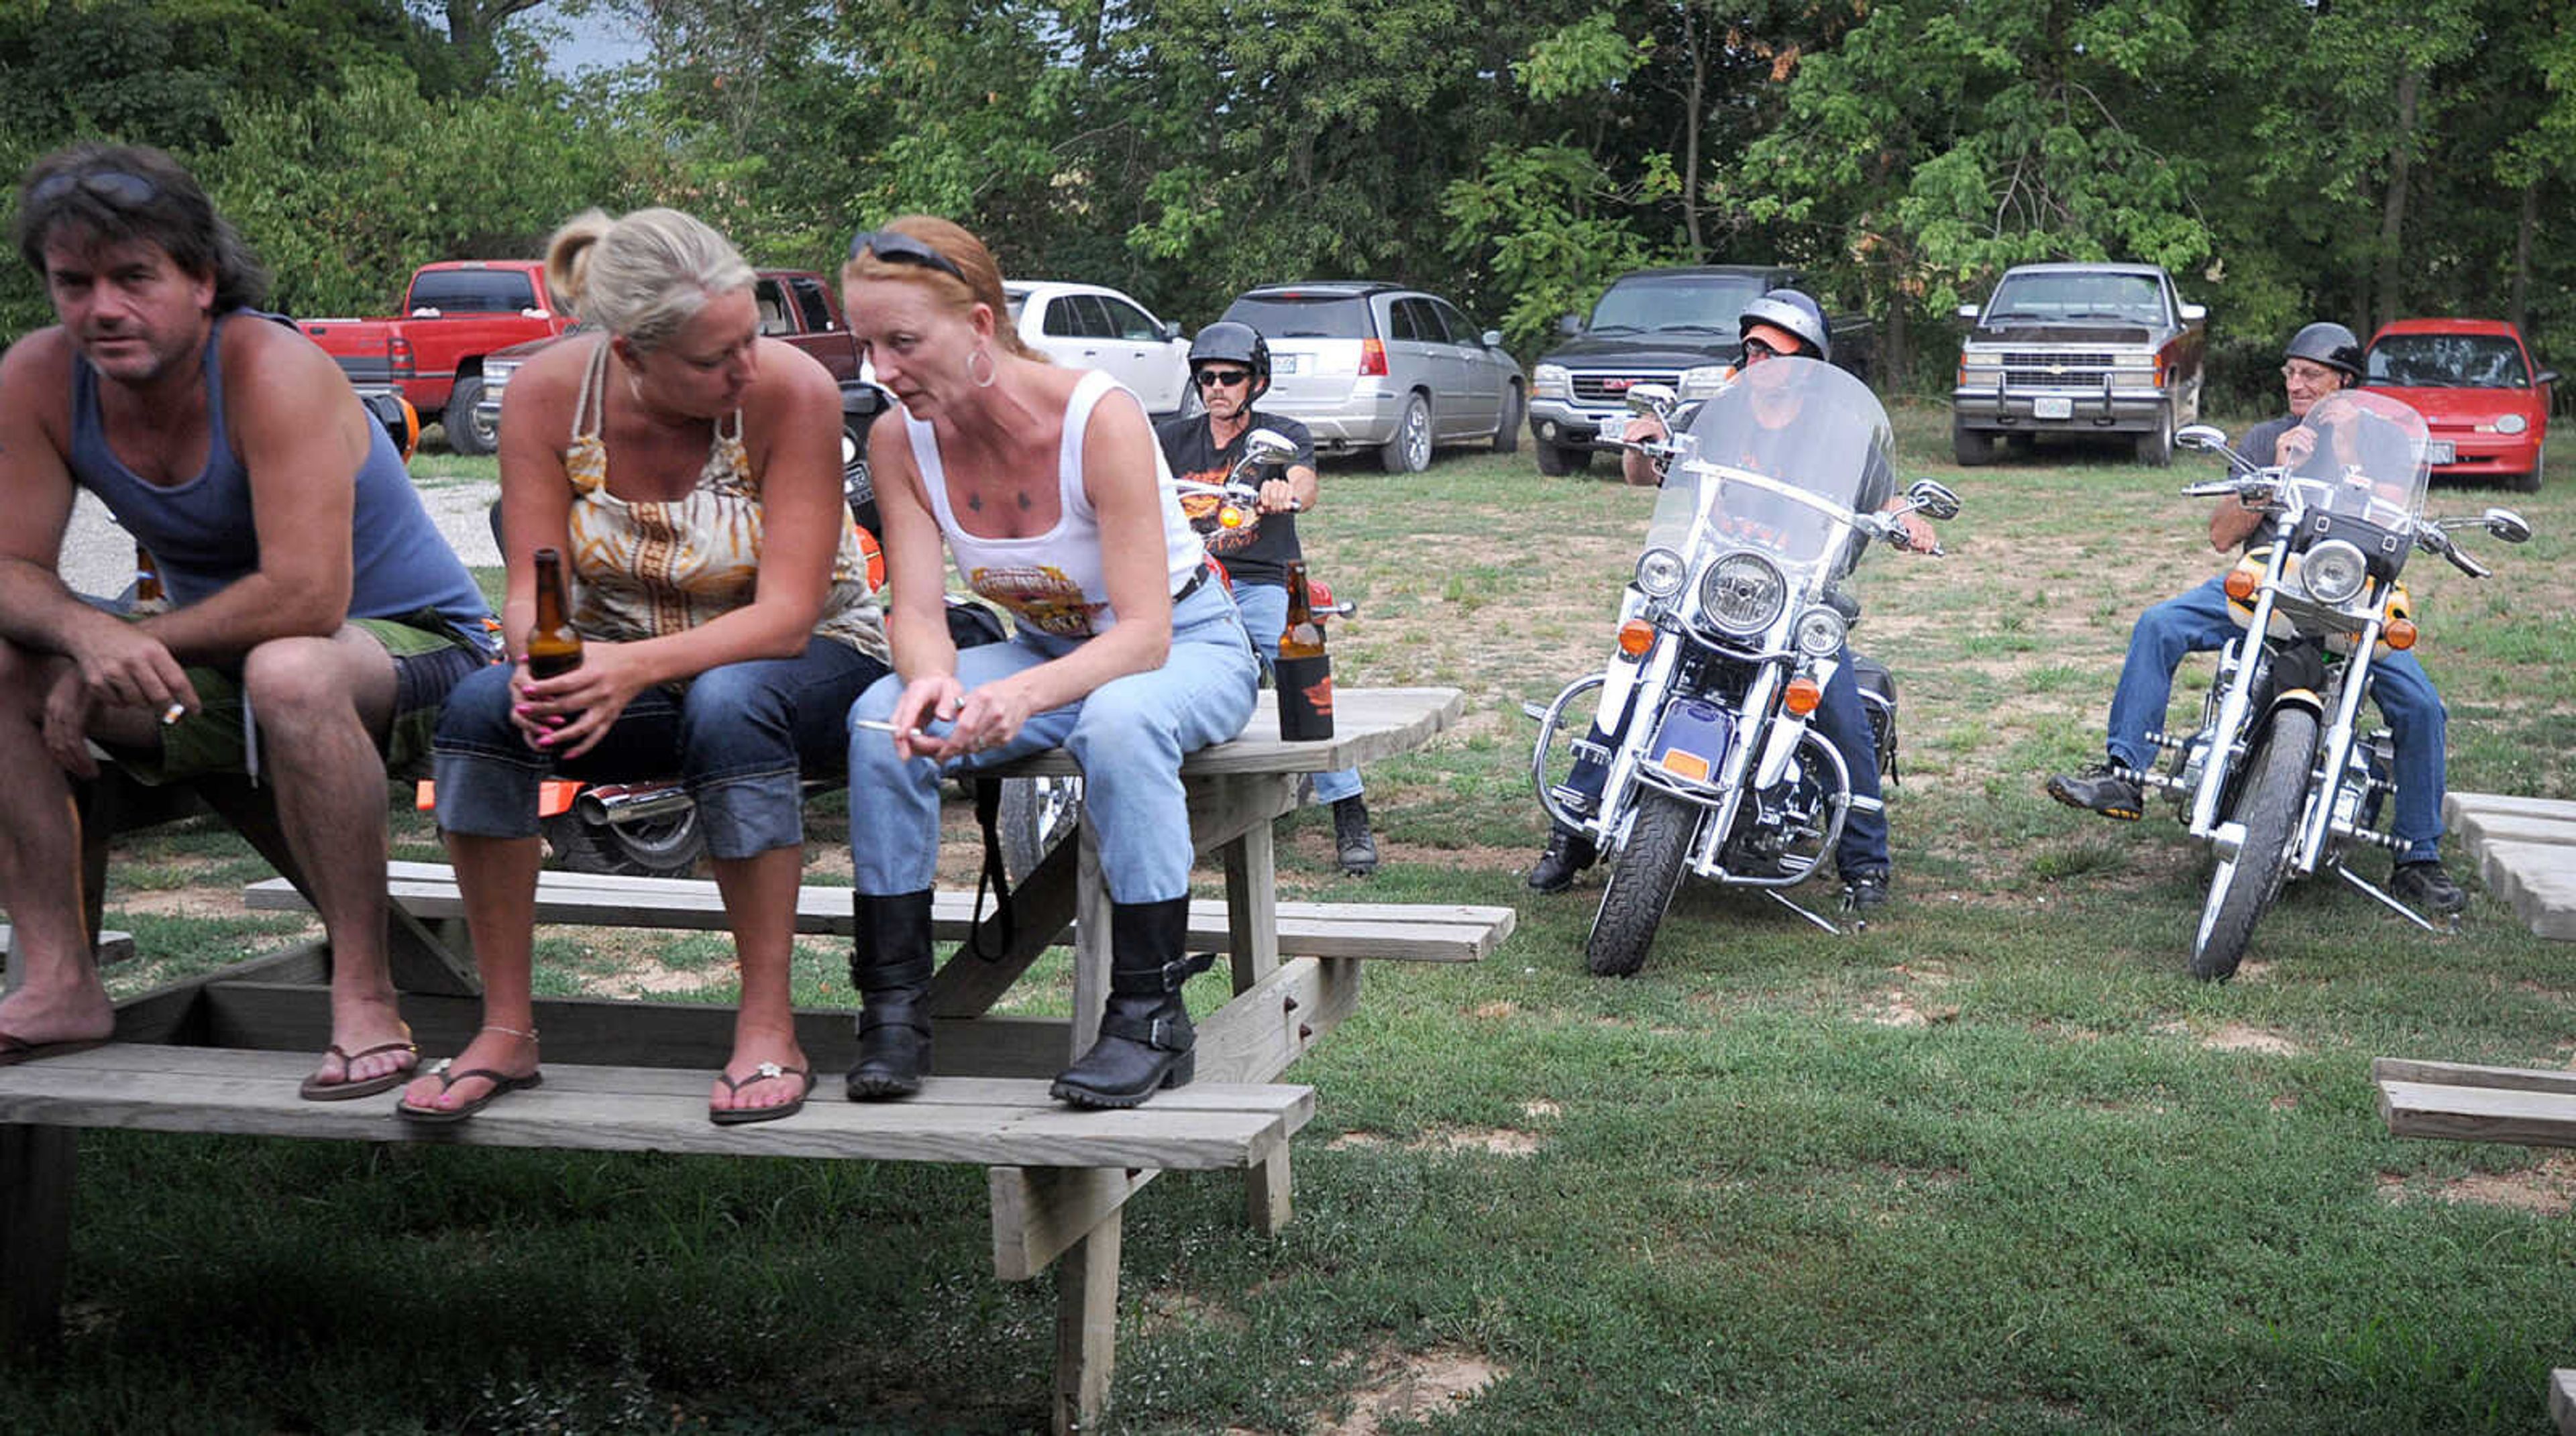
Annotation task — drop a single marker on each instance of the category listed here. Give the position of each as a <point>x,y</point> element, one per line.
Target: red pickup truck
<point>456,313</point>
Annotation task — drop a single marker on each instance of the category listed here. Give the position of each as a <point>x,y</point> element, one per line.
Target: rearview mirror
<point>2201,436</point>
<point>1650,398</point>
<point>1934,500</point>
<point>1968,312</point>
<point>1269,446</point>
<point>2508,526</point>
<point>1569,325</point>
<point>1493,338</point>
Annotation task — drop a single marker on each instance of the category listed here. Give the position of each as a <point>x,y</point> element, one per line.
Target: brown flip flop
<point>317,1090</point>
<point>14,1050</point>
<point>503,1084</point>
<point>740,1116</point>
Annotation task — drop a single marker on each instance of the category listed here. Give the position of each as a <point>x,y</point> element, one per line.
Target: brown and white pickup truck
<point>2105,349</point>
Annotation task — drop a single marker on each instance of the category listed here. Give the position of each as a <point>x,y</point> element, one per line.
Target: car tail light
<point>1373,356</point>
<point>398,353</point>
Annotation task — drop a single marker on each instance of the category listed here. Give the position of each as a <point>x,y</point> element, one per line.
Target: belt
<point>1197,581</point>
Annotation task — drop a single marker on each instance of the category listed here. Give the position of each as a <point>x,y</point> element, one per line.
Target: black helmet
<point>1228,341</point>
<point>2330,344</point>
<point>1794,314</point>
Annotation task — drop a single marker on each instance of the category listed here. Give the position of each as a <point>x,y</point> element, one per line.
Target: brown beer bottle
<point>554,646</point>
<point>149,596</point>
<point>1304,674</point>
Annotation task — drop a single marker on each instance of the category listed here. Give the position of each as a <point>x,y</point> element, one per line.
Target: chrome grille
<point>1613,388</point>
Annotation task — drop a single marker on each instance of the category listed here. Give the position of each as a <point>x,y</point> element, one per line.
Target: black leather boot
<point>890,965</point>
<point>1145,1032</point>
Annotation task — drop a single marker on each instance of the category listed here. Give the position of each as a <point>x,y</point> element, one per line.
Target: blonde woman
<point>1047,487</point>
<point>690,470</point>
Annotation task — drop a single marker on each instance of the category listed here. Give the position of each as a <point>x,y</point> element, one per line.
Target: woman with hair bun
<point>1048,488</point>
<point>690,472</point>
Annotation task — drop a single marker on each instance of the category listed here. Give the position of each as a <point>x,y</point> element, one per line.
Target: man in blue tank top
<point>318,616</point>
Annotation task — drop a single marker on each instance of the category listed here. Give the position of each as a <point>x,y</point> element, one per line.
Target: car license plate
<point>2056,408</point>
<point>1692,741</point>
<point>2440,451</point>
<point>1288,363</point>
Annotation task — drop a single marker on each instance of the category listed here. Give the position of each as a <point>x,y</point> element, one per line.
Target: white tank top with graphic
<point>1055,581</point>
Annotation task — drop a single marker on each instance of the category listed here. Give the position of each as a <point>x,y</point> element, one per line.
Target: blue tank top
<point>201,532</point>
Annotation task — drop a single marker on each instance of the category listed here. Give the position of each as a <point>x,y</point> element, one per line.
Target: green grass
<point>1995,1164</point>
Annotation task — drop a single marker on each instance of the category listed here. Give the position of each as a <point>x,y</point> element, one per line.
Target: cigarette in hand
<point>879,725</point>
<point>173,714</point>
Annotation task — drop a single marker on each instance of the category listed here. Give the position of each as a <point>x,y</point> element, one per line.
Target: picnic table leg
<point>1086,1327</point>
<point>1252,931</point>
<point>35,1233</point>
<point>1090,947</point>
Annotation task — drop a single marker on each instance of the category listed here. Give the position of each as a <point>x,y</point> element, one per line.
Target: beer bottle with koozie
<point>554,645</point>
<point>1304,674</point>
<point>149,596</point>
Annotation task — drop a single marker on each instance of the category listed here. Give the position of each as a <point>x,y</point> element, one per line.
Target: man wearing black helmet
<point>1230,367</point>
<point>1781,324</point>
<point>2322,359</point>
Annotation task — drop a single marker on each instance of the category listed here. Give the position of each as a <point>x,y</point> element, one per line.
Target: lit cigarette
<point>173,714</point>
<point>879,725</point>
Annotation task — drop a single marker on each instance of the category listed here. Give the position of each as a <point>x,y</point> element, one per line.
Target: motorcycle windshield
<point>2360,454</point>
<point>1783,457</point>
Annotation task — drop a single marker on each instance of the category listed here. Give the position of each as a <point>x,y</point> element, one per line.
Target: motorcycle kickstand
<point>1775,895</point>
<point>2390,901</point>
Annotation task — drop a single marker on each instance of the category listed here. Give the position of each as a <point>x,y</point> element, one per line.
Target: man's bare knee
<point>293,682</point>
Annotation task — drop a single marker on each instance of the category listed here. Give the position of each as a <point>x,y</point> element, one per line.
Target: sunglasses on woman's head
<point>898,248</point>
<point>122,190</point>
<point>1222,378</point>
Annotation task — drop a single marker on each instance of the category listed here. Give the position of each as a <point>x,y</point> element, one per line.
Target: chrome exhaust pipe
<point>616,803</point>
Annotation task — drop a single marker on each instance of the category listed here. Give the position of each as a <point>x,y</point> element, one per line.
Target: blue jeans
<point>740,736</point>
<point>1841,720</point>
<point>2199,621</point>
<point>1265,617</point>
<point>1128,737</point>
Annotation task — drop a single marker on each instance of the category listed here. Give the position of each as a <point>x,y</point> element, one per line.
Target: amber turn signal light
<point>2241,583</point>
<point>1803,696</point>
<point>2399,634</point>
<point>1636,636</point>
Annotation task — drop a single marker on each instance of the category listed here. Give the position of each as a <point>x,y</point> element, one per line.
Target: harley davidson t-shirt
<point>1261,550</point>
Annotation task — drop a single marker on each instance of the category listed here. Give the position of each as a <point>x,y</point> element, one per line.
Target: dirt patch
<point>1496,1011</point>
<point>1540,1109</point>
<point>1497,1141</point>
<point>643,974</point>
<point>2547,1190</point>
<point>207,901</point>
<point>1414,1386</point>
<point>1899,1008</point>
<point>2238,1037</point>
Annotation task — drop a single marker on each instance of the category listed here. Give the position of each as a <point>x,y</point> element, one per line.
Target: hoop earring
<point>992,371</point>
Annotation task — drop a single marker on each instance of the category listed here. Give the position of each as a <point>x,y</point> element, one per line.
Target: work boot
<point>1865,892</point>
<point>1358,851</point>
<point>2101,788</point>
<point>2425,885</point>
<point>890,965</point>
<point>1568,852</point>
<point>1145,1032</point>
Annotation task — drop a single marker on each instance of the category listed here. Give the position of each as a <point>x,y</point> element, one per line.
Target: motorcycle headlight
<point>1819,633</point>
<point>1742,594</point>
<point>1701,382</point>
<point>1660,572</point>
<point>2511,423</point>
<point>2333,572</point>
<point>1552,381</point>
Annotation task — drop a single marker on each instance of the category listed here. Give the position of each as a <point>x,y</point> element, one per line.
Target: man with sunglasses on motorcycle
<point>1230,367</point>
<point>2323,358</point>
<point>319,617</point>
<point>1783,323</point>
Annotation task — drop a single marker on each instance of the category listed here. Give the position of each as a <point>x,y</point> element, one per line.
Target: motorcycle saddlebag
<point>1878,698</point>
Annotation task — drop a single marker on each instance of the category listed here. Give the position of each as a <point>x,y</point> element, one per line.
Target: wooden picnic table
<point>222,1053</point>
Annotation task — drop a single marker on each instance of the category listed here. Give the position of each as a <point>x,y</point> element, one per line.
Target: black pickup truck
<point>1655,326</point>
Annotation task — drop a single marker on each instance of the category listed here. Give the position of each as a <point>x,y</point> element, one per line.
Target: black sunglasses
<point>122,190</point>
<point>1228,378</point>
<point>1756,349</point>
<point>895,248</point>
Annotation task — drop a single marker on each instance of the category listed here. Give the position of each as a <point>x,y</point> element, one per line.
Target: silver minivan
<point>1375,366</point>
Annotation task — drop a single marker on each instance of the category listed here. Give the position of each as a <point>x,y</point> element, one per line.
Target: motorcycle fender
<point>1618,686</point>
<point>1779,746</point>
<point>554,796</point>
<point>1691,742</point>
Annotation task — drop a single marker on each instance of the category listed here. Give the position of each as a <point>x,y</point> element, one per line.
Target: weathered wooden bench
<point>2461,1102</point>
<point>223,1053</point>
<point>1415,932</point>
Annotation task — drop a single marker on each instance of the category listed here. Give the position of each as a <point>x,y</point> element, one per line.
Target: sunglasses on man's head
<point>122,190</point>
<point>898,248</point>
<point>1222,378</point>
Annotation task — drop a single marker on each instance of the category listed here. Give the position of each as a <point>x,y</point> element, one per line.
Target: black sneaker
<point>2100,789</point>
<point>1865,893</point>
<point>2425,885</point>
<point>1567,853</point>
<point>1351,840</point>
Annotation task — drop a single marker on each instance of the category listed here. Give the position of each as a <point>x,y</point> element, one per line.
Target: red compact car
<point>2474,382</point>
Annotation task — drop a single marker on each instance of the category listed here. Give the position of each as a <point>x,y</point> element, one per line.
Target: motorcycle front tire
<point>2242,889</point>
<point>662,847</point>
<point>1643,878</point>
